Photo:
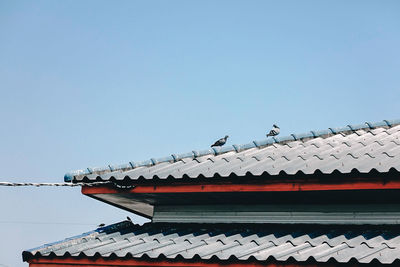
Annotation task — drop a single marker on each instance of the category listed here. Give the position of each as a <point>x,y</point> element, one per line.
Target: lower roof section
<point>227,243</point>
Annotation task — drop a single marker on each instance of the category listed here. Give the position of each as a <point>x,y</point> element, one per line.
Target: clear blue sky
<point>91,83</point>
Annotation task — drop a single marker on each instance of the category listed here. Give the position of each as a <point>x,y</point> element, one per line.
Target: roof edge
<point>29,253</point>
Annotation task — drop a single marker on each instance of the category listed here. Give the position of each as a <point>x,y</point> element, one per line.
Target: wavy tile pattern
<point>354,147</point>
<point>238,241</point>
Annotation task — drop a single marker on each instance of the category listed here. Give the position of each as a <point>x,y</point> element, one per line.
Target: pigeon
<point>101,225</point>
<point>275,131</point>
<point>128,219</point>
<point>221,141</point>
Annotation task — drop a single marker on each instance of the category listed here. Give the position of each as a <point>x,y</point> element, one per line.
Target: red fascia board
<point>101,262</point>
<point>270,187</point>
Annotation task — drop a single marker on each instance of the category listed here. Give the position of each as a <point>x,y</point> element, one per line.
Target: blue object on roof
<point>361,147</point>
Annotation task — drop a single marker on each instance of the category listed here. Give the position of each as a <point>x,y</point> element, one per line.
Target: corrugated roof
<point>231,241</point>
<point>364,147</point>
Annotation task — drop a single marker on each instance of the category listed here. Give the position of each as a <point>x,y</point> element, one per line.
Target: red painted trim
<point>102,262</point>
<point>271,187</point>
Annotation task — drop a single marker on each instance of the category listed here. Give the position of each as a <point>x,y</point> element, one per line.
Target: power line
<point>51,223</point>
<point>65,184</point>
<point>51,184</point>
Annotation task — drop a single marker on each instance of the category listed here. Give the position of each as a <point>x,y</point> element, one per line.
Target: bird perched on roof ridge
<point>275,131</point>
<point>128,219</point>
<point>220,142</point>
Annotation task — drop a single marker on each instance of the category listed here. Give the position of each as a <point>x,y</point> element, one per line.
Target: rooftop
<point>238,242</point>
<point>362,148</point>
<point>328,216</point>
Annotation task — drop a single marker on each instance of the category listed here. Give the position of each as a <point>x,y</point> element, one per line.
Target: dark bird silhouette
<point>275,131</point>
<point>221,141</point>
<point>128,219</point>
<point>101,225</point>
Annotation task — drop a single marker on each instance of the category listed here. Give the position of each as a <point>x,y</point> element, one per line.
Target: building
<point>323,198</point>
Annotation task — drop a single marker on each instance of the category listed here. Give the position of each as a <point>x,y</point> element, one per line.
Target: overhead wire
<point>16,184</point>
<point>48,223</point>
<point>52,184</point>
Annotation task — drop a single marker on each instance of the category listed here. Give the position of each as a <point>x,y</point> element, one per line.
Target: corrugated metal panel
<point>286,214</point>
<point>354,147</point>
<point>240,241</point>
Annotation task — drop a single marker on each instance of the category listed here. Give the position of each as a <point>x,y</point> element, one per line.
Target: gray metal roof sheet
<point>237,241</point>
<point>365,147</point>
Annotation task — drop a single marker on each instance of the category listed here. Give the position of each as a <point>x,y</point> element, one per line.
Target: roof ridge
<point>237,148</point>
